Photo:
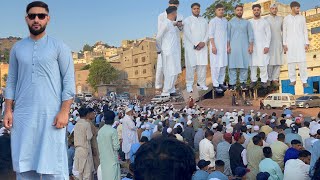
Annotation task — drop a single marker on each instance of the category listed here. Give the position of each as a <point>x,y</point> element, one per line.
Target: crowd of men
<point>225,144</point>
<point>240,45</point>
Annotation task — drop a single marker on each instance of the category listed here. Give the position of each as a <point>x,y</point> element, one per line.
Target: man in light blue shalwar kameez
<point>41,84</point>
<point>240,47</point>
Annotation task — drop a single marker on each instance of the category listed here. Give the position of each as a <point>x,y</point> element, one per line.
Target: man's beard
<point>239,15</point>
<point>257,15</point>
<point>37,32</point>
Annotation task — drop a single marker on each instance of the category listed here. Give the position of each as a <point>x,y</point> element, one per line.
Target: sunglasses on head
<point>41,16</point>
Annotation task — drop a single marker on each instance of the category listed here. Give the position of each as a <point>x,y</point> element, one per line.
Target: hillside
<point>5,47</point>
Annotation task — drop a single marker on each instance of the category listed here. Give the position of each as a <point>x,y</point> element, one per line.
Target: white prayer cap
<point>221,110</point>
<point>300,115</point>
<point>166,118</point>
<point>249,127</point>
<point>256,128</point>
<point>272,120</point>
<point>71,119</point>
<point>143,126</point>
<point>242,109</point>
<point>252,110</point>
<point>215,125</point>
<point>147,126</point>
<point>288,116</point>
<point>189,122</point>
<point>274,5</point>
<point>208,109</point>
<point>235,110</point>
<point>169,130</point>
<point>128,110</point>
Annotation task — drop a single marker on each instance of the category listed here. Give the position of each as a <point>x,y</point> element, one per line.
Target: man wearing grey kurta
<point>41,85</point>
<point>241,46</point>
<point>276,48</point>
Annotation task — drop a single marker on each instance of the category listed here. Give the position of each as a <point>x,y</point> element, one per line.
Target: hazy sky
<point>77,22</point>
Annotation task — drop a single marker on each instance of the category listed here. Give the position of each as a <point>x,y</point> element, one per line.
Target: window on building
<point>315,30</point>
<point>136,60</point>
<point>144,71</point>
<point>143,59</point>
<point>136,72</point>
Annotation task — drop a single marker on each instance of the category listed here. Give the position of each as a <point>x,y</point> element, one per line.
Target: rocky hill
<point>5,47</point>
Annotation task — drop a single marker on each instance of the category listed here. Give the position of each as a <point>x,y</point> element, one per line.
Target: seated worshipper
<point>83,160</point>
<point>189,133</point>
<point>156,160</point>
<point>147,132</point>
<point>298,168</point>
<point>108,144</point>
<point>135,147</point>
<point>130,174</point>
<point>315,151</point>
<point>270,166</point>
<point>293,152</point>
<point>218,173</point>
<point>254,155</point>
<point>202,173</point>
<point>237,153</point>
<point>206,149</point>
<point>279,149</point>
<point>158,131</point>
<point>293,135</point>
<point>273,135</point>
<point>263,176</point>
<point>240,173</point>
<point>316,171</point>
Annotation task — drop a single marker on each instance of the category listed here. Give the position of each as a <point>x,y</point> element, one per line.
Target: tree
<point>101,72</point>
<point>86,67</point>
<point>228,6</point>
<point>87,47</point>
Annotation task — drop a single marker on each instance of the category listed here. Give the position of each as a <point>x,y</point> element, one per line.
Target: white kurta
<point>195,31</point>
<point>206,151</point>
<point>262,39</point>
<point>295,36</point>
<point>168,43</point>
<point>218,30</point>
<point>129,134</point>
<point>276,48</point>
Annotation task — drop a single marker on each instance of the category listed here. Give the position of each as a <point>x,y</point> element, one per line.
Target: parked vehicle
<point>88,97</point>
<point>160,99</point>
<point>308,101</point>
<point>279,100</point>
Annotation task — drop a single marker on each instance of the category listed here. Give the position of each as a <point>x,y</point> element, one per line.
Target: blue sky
<point>78,22</point>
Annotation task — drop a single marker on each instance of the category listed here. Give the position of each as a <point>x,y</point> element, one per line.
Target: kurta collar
<point>44,38</point>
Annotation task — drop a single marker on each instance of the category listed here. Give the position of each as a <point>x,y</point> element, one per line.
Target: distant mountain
<point>5,47</point>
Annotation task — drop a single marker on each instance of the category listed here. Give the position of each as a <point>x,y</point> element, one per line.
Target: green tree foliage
<point>5,55</point>
<point>87,47</point>
<point>101,72</point>
<point>4,78</point>
<point>229,8</point>
<point>86,67</point>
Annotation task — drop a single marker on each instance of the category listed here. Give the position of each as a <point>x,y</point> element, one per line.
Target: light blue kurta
<point>240,35</point>
<point>273,168</point>
<point>41,76</point>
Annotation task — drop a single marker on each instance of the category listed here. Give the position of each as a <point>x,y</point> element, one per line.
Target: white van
<point>88,97</point>
<point>279,100</point>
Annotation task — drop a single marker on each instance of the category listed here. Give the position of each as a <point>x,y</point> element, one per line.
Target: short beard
<point>257,16</point>
<point>37,32</point>
<point>239,16</point>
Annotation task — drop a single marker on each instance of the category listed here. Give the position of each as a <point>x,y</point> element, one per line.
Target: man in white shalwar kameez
<point>129,133</point>
<point>218,34</point>
<point>168,44</point>
<point>296,43</point>
<point>260,56</point>
<point>196,50</point>
<point>178,23</point>
<point>276,48</point>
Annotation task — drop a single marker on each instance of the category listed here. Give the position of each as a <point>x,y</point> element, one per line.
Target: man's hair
<point>144,139</point>
<point>195,4</point>
<point>238,5</point>
<point>219,128</point>
<point>109,117</point>
<point>171,9</point>
<point>281,136</point>
<point>267,152</point>
<point>262,135</point>
<point>90,110</point>
<point>83,112</point>
<point>295,141</point>
<point>256,139</point>
<point>304,153</point>
<point>243,129</point>
<point>294,4</point>
<point>176,2</point>
<point>256,6</point>
<point>219,6</point>
<point>208,133</point>
<point>37,4</point>
<point>306,123</point>
<point>164,158</point>
<point>219,163</point>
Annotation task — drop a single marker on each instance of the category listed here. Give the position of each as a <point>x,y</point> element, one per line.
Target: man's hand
<point>266,50</point>
<point>250,50</point>
<point>306,47</point>
<point>214,50</point>
<point>228,49</point>
<point>201,45</point>
<point>8,119</point>
<point>285,48</point>
<point>179,24</point>
<point>61,120</point>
